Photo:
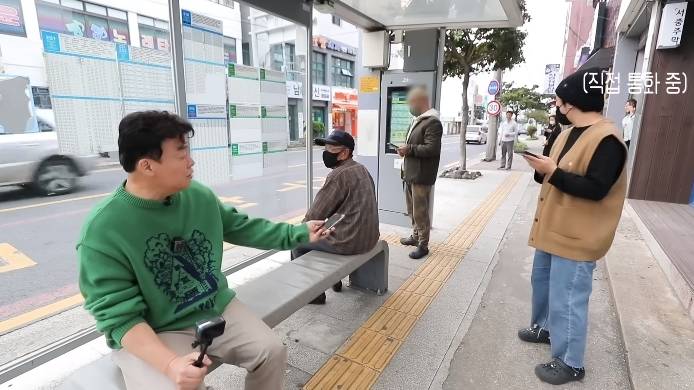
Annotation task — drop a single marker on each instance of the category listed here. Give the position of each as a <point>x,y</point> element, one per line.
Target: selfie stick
<point>204,344</point>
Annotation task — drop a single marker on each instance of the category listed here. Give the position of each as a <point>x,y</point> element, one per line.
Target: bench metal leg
<point>373,275</point>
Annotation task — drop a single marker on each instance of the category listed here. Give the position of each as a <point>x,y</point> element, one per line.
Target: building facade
<point>579,20</point>
<point>661,158</point>
<point>250,37</point>
<point>140,23</point>
<point>333,75</point>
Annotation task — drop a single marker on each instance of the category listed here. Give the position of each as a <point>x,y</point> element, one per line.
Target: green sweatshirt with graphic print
<point>160,262</point>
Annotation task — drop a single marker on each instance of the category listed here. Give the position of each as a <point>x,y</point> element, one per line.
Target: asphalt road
<point>46,229</point>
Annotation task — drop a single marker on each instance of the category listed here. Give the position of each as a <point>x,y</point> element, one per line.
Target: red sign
<point>346,96</point>
<point>493,108</point>
<point>11,19</point>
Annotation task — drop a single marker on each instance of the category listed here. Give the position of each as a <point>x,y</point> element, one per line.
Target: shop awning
<point>402,14</point>
<point>601,59</point>
<point>417,14</point>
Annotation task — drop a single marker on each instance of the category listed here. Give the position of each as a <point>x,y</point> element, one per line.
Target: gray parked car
<point>34,160</point>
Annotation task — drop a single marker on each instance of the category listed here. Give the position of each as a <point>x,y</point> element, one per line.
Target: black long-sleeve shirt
<point>551,135</point>
<point>603,170</point>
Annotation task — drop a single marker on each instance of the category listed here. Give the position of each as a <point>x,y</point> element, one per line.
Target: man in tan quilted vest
<point>580,203</point>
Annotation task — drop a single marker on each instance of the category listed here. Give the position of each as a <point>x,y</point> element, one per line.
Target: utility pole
<point>493,129</point>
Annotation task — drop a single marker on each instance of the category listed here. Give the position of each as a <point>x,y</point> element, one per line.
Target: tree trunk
<point>464,121</point>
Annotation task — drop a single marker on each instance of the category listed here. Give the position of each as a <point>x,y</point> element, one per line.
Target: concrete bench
<point>273,297</point>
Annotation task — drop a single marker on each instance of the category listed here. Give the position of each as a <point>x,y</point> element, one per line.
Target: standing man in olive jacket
<point>422,154</point>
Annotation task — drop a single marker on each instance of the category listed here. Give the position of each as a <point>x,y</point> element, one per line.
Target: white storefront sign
<point>294,90</point>
<point>551,78</point>
<point>321,92</point>
<point>671,25</point>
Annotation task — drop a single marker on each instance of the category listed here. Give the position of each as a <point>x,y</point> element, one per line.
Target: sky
<point>544,44</point>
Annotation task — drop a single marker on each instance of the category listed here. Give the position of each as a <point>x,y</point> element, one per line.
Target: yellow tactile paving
<point>447,249</point>
<point>342,373</point>
<point>389,322</point>
<point>371,349</point>
<point>437,272</point>
<point>408,303</point>
<point>422,286</point>
<point>368,351</point>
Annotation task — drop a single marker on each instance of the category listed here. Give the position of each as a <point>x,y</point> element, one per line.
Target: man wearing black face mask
<point>349,190</point>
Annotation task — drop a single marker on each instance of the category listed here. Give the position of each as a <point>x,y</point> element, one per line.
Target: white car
<point>477,134</point>
<point>34,159</point>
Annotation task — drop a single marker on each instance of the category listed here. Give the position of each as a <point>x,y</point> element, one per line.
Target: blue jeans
<point>561,289</point>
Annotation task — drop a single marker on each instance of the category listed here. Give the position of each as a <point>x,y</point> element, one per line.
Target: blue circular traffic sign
<point>493,87</point>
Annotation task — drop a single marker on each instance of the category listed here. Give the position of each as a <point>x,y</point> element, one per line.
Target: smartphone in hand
<point>333,220</point>
<point>526,153</point>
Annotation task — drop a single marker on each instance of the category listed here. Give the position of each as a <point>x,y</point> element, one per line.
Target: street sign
<point>493,87</point>
<point>493,108</point>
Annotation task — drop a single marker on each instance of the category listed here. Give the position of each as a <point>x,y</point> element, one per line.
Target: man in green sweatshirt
<point>150,259</point>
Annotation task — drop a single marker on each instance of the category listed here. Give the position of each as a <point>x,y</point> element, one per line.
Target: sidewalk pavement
<point>639,335</point>
<point>464,337</point>
<point>492,357</point>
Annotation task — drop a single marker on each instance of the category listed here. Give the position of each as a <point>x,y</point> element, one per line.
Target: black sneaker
<point>319,300</point>
<point>557,372</point>
<point>337,287</point>
<point>534,334</point>
<point>420,252</point>
<point>409,241</point>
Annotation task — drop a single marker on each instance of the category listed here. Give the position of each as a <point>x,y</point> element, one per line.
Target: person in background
<point>551,133</point>
<point>349,189</point>
<point>422,154</point>
<point>508,130</point>
<point>150,258</point>
<point>628,121</point>
<point>578,210</point>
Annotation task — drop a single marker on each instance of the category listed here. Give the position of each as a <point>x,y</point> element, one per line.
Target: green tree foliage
<point>479,50</point>
<point>540,116</point>
<point>521,99</point>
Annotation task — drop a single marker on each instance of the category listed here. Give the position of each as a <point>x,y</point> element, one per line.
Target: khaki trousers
<point>417,199</point>
<point>247,342</point>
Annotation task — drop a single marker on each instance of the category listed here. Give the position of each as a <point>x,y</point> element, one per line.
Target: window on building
<point>229,50</point>
<point>154,33</point>
<point>318,68</point>
<point>291,67</point>
<point>277,57</point>
<point>337,21</point>
<point>42,98</point>
<point>226,3</point>
<point>283,58</point>
<point>246,53</point>
<point>83,19</point>
<point>343,72</point>
<point>318,114</point>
